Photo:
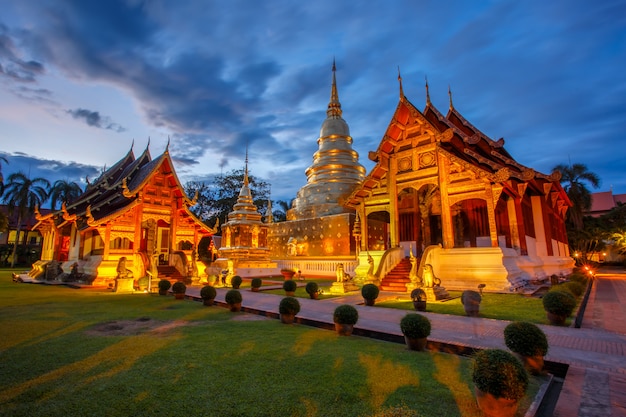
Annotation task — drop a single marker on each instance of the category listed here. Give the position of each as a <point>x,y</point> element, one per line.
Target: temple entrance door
<point>163,242</point>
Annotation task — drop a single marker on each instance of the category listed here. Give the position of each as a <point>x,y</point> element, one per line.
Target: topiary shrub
<point>525,338</point>
<point>233,297</point>
<point>289,305</point>
<point>345,314</point>
<point>179,288</point>
<point>578,277</point>
<point>499,373</point>
<point>290,285</point>
<point>370,292</point>
<point>576,288</point>
<point>559,303</point>
<point>208,292</point>
<point>256,283</point>
<point>164,285</point>
<point>236,281</point>
<point>415,326</point>
<point>312,288</point>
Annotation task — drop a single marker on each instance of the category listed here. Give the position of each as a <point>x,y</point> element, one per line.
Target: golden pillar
<point>446,216</point>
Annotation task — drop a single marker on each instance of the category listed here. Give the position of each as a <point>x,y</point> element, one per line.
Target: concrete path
<point>595,384</point>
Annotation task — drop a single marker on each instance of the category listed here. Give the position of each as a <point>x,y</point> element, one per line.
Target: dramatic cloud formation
<point>212,78</point>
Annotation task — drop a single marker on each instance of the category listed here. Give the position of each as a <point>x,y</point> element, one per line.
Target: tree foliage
<point>64,192</point>
<point>575,178</point>
<point>22,195</point>
<point>216,199</point>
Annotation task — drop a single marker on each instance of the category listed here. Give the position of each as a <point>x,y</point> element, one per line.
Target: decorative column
<point>446,216</point>
<point>491,214</point>
<point>393,202</point>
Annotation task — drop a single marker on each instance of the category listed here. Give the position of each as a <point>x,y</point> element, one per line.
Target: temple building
<point>134,220</point>
<point>443,189</point>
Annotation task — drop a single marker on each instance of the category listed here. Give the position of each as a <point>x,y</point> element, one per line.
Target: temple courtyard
<point>588,363</point>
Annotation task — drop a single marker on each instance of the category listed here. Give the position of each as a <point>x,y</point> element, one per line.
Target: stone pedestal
<point>124,285</point>
<point>343,287</point>
<point>435,293</point>
<point>411,286</point>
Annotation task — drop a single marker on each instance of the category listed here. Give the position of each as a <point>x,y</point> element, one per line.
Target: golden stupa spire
<point>245,172</point>
<point>427,91</point>
<point>400,81</point>
<point>334,107</point>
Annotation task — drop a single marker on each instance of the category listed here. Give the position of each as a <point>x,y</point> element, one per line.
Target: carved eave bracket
<point>546,189</point>
<point>521,189</point>
<point>194,200</point>
<point>67,216</point>
<point>501,175</point>
<point>125,191</point>
<point>496,192</point>
<point>90,220</point>
<point>446,136</point>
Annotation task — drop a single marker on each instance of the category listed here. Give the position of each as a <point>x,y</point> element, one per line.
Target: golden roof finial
<point>427,91</point>
<point>167,147</point>
<point>245,174</point>
<point>334,107</point>
<point>400,82</point>
<point>450,95</point>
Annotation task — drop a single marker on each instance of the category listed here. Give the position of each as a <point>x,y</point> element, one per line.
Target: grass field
<point>67,352</point>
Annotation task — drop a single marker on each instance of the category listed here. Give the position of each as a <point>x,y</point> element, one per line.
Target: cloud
<point>93,118</point>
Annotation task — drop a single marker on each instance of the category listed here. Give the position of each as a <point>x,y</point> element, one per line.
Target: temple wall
<point>324,236</point>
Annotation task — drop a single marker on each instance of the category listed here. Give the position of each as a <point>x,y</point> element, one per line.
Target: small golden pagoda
<point>244,248</point>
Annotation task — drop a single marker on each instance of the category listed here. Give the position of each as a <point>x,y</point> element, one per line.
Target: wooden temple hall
<point>131,222</point>
<point>438,180</point>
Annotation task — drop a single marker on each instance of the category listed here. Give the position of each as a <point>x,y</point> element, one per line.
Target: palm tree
<point>2,158</point>
<point>65,192</point>
<point>573,179</point>
<point>24,194</point>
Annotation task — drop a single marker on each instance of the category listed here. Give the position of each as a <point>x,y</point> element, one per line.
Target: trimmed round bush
<point>256,283</point>
<point>576,288</point>
<point>418,294</point>
<point>233,297</point>
<point>236,281</point>
<point>500,374</point>
<point>560,303</point>
<point>370,292</point>
<point>312,288</point>
<point>578,277</point>
<point>164,285</point>
<point>179,288</point>
<point>415,326</point>
<point>290,285</point>
<point>345,314</point>
<point>208,292</point>
<point>526,339</point>
<point>289,305</point>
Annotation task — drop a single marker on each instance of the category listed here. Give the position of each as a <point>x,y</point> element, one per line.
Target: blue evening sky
<point>80,80</point>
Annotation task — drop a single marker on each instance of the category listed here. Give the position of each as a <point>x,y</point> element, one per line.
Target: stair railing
<point>388,261</point>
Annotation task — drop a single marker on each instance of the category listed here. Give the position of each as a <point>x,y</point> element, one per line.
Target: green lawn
<point>514,307</point>
<point>72,352</point>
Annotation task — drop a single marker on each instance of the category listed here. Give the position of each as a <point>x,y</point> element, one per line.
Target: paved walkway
<point>595,384</point>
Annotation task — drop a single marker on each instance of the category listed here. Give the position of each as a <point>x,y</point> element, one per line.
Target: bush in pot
<point>345,317</point>
<point>370,294</point>
<point>418,296</point>
<point>255,284</point>
<point>164,285</point>
<point>234,299</point>
<point>529,342</point>
<point>236,281</point>
<point>179,289</point>
<point>208,294</point>
<point>312,289</point>
<point>471,302</point>
<point>288,308</point>
<point>416,329</point>
<point>500,382</point>
<point>558,305</point>
<point>290,286</point>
